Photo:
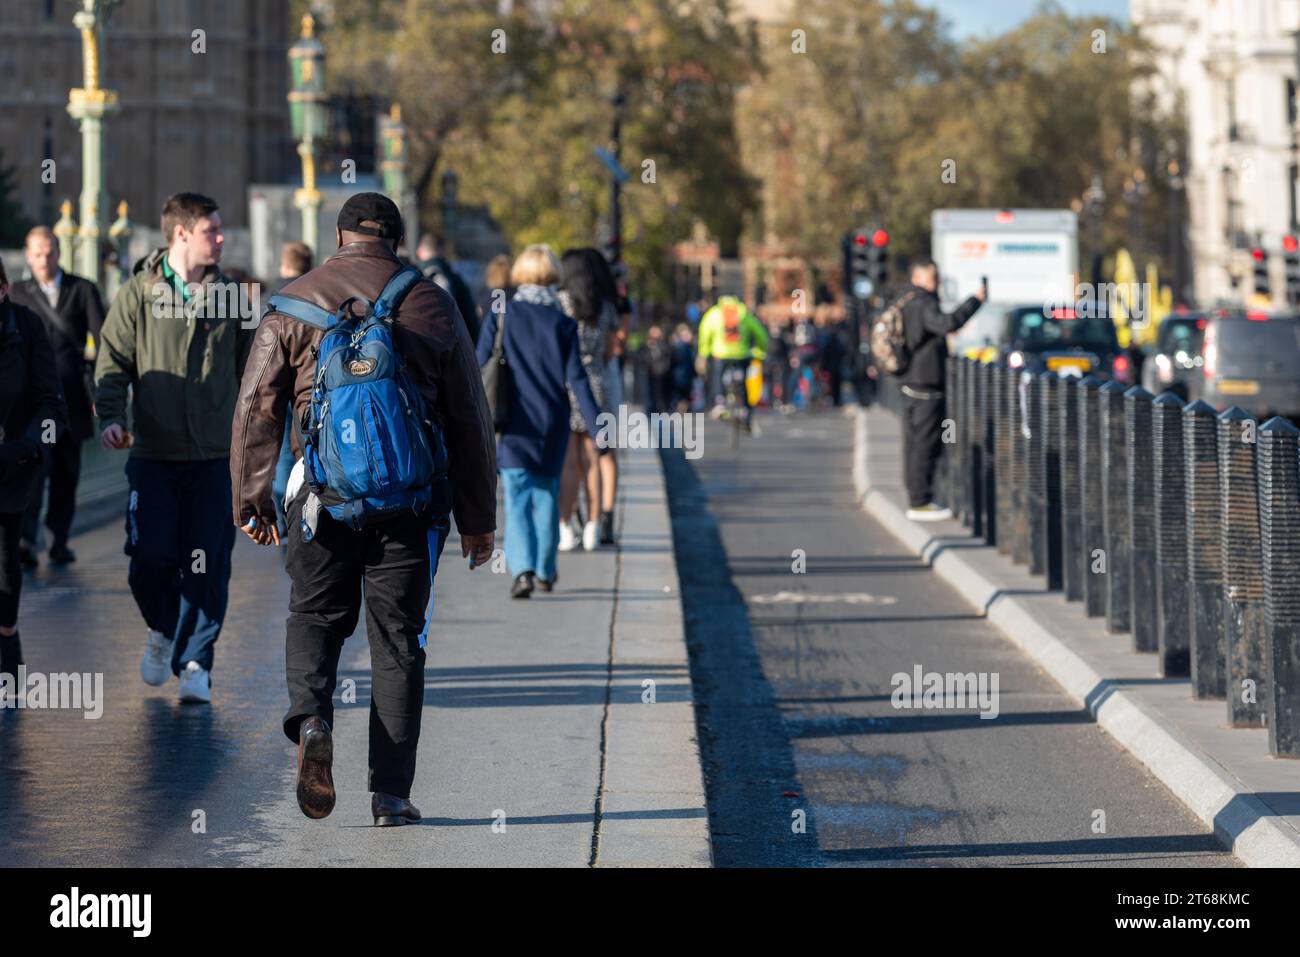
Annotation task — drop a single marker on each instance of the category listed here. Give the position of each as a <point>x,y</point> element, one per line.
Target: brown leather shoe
<point>315,757</point>
<point>390,811</point>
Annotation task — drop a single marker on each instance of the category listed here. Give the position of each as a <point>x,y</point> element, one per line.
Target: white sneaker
<point>929,513</point>
<point>196,685</point>
<point>567,539</point>
<point>156,665</point>
<point>590,536</point>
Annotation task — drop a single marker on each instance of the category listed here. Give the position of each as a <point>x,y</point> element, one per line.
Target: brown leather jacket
<point>431,336</point>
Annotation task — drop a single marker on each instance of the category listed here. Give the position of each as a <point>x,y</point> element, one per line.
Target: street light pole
<point>308,116</point>
<point>1095,196</point>
<point>615,187</point>
<point>1176,185</point>
<point>88,105</point>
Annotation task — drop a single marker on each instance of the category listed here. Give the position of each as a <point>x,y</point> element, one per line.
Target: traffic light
<point>1291,255</point>
<point>857,264</point>
<point>879,259</point>
<point>1261,272</point>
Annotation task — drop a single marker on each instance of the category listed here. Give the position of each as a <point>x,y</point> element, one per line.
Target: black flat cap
<point>373,214</point>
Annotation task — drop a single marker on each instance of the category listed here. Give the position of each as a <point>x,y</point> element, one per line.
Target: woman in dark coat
<point>541,350</point>
<point>33,415</point>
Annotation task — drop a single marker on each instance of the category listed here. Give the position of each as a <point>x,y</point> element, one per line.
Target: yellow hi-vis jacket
<point>730,331</point>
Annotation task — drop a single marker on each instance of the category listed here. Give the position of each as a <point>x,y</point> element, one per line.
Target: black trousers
<point>11,569</point>
<point>388,565</point>
<point>62,472</point>
<point>922,445</point>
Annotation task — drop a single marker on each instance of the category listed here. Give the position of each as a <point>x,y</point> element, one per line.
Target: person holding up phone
<point>927,328</point>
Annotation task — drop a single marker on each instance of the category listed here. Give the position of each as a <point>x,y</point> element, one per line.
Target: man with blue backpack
<point>396,437</point>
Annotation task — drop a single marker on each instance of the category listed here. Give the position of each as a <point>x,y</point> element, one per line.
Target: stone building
<point>1229,66</point>
<point>211,121</point>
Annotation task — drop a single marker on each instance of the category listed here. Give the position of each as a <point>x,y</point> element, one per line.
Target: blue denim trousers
<point>179,513</point>
<point>532,522</point>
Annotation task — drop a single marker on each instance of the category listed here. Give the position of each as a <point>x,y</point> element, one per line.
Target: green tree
<point>885,117</point>
<point>519,125</point>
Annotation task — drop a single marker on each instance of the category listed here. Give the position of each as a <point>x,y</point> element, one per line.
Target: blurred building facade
<point>1229,67</point>
<point>211,121</point>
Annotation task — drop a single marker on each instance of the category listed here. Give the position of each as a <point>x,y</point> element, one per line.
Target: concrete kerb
<point>1241,821</point>
<point>651,810</point>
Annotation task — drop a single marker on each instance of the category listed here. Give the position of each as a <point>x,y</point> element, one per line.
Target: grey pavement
<point>793,672</point>
<point>538,746</point>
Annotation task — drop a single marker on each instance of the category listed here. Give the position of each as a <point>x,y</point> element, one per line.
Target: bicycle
<point>737,410</point>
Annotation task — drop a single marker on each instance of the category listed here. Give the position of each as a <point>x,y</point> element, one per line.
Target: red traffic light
<point>1290,244</point>
<point>1258,254</point>
<point>880,238</point>
<point>859,239</point>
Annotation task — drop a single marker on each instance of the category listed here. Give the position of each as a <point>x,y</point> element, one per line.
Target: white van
<point>1030,256</point>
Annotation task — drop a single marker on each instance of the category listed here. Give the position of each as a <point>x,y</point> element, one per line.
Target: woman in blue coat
<point>541,350</point>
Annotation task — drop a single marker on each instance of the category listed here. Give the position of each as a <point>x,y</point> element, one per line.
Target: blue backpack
<point>371,448</point>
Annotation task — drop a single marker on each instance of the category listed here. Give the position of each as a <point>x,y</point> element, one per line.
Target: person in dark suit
<point>32,418</point>
<point>72,313</point>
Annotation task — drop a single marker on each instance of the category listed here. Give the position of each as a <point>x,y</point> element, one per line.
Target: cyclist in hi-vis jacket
<point>730,335</point>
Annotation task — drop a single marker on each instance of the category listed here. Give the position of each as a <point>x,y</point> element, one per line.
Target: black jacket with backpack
<point>926,327</point>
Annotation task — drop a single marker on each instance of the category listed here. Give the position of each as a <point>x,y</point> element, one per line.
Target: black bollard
<point>1114,493</point>
<point>1095,567</point>
<point>1172,618</point>
<point>1279,524</point>
<point>1244,628</point>
<point>1141,518</point>
<point>958,412</point>
<point>1002,452</point>
<point>1018,502</point>
<point>1204,549</point>
<point>990,394</point>
<point>1036,486</point>
<point>1073,567</point>
<point>948,436</point>
<point>975,448</point>
<point>1047,431</point>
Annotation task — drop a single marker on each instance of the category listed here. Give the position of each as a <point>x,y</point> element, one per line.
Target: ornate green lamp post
<point>309,117</point>
<point>88,105</point>
<point>392,167</point>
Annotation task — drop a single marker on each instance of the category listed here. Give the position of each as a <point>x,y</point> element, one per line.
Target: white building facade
<point>1230,67</point>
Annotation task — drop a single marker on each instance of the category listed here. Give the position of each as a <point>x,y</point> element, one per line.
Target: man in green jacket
<point>176,338</point>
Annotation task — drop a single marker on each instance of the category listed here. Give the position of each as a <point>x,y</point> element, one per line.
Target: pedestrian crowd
<point>374,401</point>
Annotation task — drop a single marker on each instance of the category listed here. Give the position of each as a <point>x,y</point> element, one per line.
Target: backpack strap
<point>301,310</point>
<point>395,291</point>
<point>391,297</point>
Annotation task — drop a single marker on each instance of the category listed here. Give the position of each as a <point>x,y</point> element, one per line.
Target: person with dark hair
<point>355,531</point>
<point>175,341</point>
<point>584,297</point>
<point>33,418</point>
<point>926,328</point>
<point>431,258</point>
<point>612,380</point>
<point>73,313</point>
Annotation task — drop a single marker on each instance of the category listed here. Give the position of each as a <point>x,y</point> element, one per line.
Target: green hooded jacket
<point>180,355</point>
